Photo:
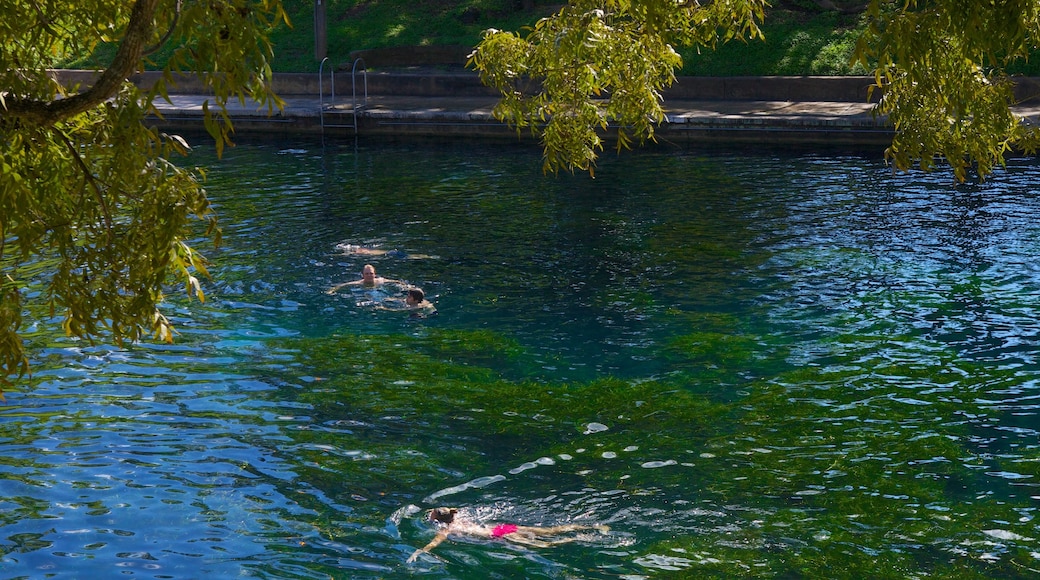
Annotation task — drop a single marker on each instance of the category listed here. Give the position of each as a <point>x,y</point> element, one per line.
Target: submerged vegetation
<point>846,472</point>
<point>753,367</point>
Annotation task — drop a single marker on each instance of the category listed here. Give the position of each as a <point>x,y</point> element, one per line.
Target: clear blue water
<point>748,365</point>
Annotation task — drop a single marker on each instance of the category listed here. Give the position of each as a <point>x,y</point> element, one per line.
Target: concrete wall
<point>459,84</point>
<point>801,89</point>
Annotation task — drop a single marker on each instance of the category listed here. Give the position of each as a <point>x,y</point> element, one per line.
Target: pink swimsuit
<point>503,530</point>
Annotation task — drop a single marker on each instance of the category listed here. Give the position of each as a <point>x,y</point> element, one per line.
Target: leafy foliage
<point>940,63</point>
<point>597,62</point>
<point>85,185</point>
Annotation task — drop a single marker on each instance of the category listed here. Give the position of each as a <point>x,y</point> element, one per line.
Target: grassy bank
<point>801,39</point>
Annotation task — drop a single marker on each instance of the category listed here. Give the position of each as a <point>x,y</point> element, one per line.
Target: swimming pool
<point>747,365</point>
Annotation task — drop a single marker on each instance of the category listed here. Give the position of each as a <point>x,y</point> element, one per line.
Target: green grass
<point>796,43</point>
<point>363,24</point>
<point>800,38</point>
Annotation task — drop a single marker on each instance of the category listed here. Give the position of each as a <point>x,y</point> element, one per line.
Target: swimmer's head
<point>443,515</point>
<point>368,273</point>
<point>415,296</point>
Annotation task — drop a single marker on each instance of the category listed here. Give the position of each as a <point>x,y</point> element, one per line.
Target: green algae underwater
<point>819,485</point>
<point>755,366</point>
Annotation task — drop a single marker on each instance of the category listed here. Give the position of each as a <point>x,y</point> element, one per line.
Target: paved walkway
<point>837,123</point>
<point>813,110</point>
<point>763,121</point>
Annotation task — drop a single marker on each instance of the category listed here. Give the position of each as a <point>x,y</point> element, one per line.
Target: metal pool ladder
<point>359,62</point>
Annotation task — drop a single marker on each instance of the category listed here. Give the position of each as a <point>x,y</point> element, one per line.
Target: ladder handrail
<point>353,84</point>
<point>321,90</point>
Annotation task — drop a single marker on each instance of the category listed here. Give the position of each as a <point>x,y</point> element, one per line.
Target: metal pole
<point>320,32</point>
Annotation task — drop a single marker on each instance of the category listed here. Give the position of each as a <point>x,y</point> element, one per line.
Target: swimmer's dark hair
<point>417,294</point>
<point>442,514</point>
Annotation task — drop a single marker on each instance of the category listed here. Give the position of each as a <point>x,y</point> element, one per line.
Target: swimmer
<point>351,249</point>
<point>447,523</point>
<point>369,279</point>
<point>414,301</point>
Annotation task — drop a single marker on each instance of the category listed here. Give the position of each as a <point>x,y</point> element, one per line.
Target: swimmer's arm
<point>394,304</point>
<point>436,541</point>
<point>336,288</point>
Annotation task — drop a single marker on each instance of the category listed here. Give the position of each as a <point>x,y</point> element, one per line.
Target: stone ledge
<point>467,83</point>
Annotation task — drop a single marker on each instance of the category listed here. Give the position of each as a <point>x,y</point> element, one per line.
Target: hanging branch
<point>129,54</point>
<point>99,196</point>
<point>169,32</point>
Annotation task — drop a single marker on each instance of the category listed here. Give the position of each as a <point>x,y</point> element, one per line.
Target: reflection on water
<point>747,366</point>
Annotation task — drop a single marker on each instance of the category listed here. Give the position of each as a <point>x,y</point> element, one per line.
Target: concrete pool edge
<point>770,110</point>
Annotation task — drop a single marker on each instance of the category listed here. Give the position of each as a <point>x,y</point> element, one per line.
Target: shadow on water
<point>748,366</point>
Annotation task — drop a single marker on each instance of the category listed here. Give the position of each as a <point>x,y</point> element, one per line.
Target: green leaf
<point>93,208</point>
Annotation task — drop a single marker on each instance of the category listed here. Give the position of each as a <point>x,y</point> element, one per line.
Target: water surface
<point>748,365</point>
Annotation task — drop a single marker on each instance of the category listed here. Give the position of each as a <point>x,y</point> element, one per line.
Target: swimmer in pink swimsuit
<point>503,530</point>
<point>527,535</point>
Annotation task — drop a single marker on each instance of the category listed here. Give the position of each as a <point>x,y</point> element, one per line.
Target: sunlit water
<point>746,365</point>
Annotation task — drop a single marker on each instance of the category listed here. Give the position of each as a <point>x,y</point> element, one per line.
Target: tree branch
<point>169,31</point>
<point>88,177</point>
<point>127,58</point>
<point>45,20</point>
